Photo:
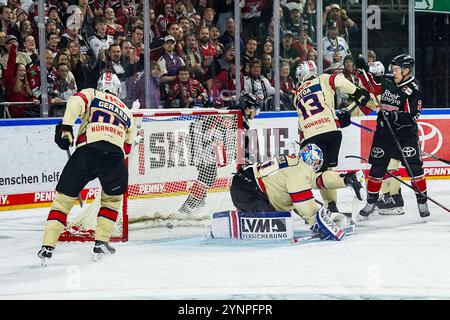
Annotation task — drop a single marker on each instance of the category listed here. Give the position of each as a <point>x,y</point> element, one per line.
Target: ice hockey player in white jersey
<point>285,183</point>
<point>319,124</point>
<point>104,140</point>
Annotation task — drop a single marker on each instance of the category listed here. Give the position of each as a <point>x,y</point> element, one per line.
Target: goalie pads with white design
<point>329,224</point>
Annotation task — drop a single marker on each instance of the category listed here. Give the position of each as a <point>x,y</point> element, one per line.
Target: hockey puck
<point>169,225</point>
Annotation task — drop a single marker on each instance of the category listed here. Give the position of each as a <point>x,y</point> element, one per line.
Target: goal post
<point>180,170</point>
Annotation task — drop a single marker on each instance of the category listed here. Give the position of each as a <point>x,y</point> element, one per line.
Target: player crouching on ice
<point>104,138</point>
<point>283,184</point>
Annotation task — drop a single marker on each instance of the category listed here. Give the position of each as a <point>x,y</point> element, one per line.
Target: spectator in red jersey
<point>111,26</point>
<point>185,92</point>
<point>18,88</point>
<point>124,11</point>
<point>166,17</point>
<point>223,89</point>
<point>207,51</point>
<point>302,45</point>
<point>287,84</point>
<point>251,17</point>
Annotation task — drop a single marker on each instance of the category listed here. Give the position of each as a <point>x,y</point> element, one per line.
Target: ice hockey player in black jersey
<point>400,104</point>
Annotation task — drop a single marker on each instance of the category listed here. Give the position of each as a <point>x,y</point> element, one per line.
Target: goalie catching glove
<point>64,136</point>
<point>328,224</point>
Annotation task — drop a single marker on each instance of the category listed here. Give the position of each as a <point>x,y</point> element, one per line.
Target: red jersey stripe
<point>82,96</point>
<point>58,215</point>
<point>301,196</point>
<point>108,214</point>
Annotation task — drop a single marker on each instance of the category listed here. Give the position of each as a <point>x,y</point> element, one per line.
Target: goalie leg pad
<point>252,225</point>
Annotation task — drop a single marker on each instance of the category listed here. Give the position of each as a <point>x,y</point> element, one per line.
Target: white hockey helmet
<point>312,155</point>
<point>306,70</point>
<point>376,68</point>
<point>109,82</point>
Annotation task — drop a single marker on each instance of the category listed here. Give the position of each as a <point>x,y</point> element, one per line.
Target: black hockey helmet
<point>247,100</point>
<point>404,61</point>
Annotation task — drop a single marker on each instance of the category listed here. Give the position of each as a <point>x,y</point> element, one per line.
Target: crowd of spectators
<point>192,53</point>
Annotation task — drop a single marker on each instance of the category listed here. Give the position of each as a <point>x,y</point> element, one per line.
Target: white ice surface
<point>389,257</point>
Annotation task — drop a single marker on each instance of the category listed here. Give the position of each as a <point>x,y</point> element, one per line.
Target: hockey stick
<point>80,199</point>
<point>397,143</point>
<point>406,184</point>
<point>423,152</point>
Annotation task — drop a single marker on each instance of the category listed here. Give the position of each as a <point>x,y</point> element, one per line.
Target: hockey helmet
<point>403,60</point>
<point>312,155</point>
<point>109,82</point>
<point>306,70</point>
<point>248,100</point>
<point>376,68</point>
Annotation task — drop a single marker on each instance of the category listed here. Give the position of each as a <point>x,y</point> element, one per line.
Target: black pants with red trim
<point>329,143</point>
<point>90,162</point>
<point>246,195</point>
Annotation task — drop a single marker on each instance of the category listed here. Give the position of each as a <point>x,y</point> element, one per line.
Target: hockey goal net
<point>180,170</point>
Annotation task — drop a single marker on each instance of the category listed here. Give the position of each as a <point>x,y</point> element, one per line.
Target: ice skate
<point>368,209</point>
<point>45,253</point>
<point>423,210</point>
<point>332,206</point>
<point>353,179</point>
<point>101,249</point>
<point>392,205</point>
<point>190,204</point>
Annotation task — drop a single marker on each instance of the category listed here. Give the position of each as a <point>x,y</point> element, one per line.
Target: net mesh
<point>180,171</point>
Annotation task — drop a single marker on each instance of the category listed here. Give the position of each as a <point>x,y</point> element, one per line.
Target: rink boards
<point>31,163</point>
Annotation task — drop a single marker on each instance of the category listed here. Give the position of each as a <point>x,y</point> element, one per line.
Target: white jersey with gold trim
<point>104,117</point>
<point>314,101</point>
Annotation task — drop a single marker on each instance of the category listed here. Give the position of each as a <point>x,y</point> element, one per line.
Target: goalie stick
<point>422,152</point>
<point>406,184</point>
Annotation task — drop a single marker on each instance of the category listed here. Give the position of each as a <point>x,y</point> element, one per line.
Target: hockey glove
<point>344,118</point>
<point>399,120</point>
<point>64,136</point>
<point>361,96</point>
<point>360,63</point>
